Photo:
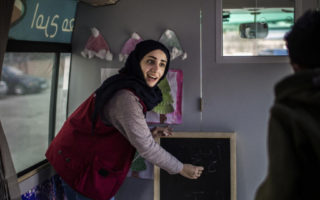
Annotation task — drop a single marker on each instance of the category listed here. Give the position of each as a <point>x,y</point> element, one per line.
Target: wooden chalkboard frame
<point>230,135</point>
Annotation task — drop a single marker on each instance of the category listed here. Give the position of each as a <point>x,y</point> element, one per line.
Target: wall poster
<point>169,111</point>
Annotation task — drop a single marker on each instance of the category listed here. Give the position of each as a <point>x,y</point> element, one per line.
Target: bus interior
<point>230,52</point>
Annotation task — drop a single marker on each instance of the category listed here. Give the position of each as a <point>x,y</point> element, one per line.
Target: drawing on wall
<point>108,72</point>
<point>165,106</point>
<point>129,46</point>
<point>97,46</point>
<point>18,11</point>
<point>169,111</point>
<point>170,40</point>
<point>145,172</point>
<point>138,165</point>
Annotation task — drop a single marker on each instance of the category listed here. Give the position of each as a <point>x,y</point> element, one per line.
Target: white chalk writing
<point>49,24</point>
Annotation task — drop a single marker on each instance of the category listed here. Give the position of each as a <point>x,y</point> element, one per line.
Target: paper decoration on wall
<point>97,46</point>
<point>143,174</point>
<point>129,46</point>
<point>170,40</point>
<point>18,11</point>
<point>169,111</point>
<point>165,106</point>
<point>108,72</point>
<point>100,2</point>
<point>138,164</point>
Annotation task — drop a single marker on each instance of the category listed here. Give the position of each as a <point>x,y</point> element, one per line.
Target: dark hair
<point>303,41</point>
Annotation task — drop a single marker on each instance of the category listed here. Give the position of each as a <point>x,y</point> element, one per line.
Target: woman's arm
<point>125,113</point>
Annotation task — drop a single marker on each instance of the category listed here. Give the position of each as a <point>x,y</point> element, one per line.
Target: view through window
<point>256,30</point>
<point>63,86</point>
<point>25,103</point>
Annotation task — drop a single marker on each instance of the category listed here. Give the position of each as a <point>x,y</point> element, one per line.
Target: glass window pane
<point>24,109</point>
<point>63,85</point>
<point>256,31</point>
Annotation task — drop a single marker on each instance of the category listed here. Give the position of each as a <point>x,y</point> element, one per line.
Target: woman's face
<point>153,66</point>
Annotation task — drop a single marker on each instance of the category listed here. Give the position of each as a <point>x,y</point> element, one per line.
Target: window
<point>25,107</point>
<point>35,78</point>
<point>252,31</point>
<point>62,91</point>
<point>256,31</point>
<point>26,104</point>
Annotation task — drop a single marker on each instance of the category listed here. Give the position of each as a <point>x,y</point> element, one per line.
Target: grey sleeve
<point>125,113</point>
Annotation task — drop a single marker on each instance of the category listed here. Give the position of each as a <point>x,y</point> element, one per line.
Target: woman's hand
<point>161,131</point>
<point>191,171</point>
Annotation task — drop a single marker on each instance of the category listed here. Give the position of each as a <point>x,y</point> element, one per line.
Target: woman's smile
<point>153,66</point>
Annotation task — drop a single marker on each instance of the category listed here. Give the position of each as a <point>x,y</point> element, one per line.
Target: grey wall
<point>117,23</point>
<point>237,97</point>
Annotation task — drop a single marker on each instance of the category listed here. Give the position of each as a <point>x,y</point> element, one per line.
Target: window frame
<point>246,59</point>
<point>42,47</point>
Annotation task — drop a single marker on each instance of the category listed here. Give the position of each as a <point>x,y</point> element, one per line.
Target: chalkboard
<point>214,151</point>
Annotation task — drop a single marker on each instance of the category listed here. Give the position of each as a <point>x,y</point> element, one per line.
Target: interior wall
<point>117,23</point>
<point>237,97</point>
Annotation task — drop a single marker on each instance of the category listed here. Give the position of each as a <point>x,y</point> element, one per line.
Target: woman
<point>94,149</point>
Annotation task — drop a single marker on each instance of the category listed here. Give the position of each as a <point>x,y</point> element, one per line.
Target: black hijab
<point>131,77</point>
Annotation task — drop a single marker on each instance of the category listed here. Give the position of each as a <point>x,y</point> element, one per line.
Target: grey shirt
<point>125,113</point>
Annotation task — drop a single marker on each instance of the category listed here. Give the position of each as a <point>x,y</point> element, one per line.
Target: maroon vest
<point>94,164</point>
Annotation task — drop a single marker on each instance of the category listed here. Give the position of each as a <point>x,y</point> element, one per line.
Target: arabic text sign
<point>46,21</point>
